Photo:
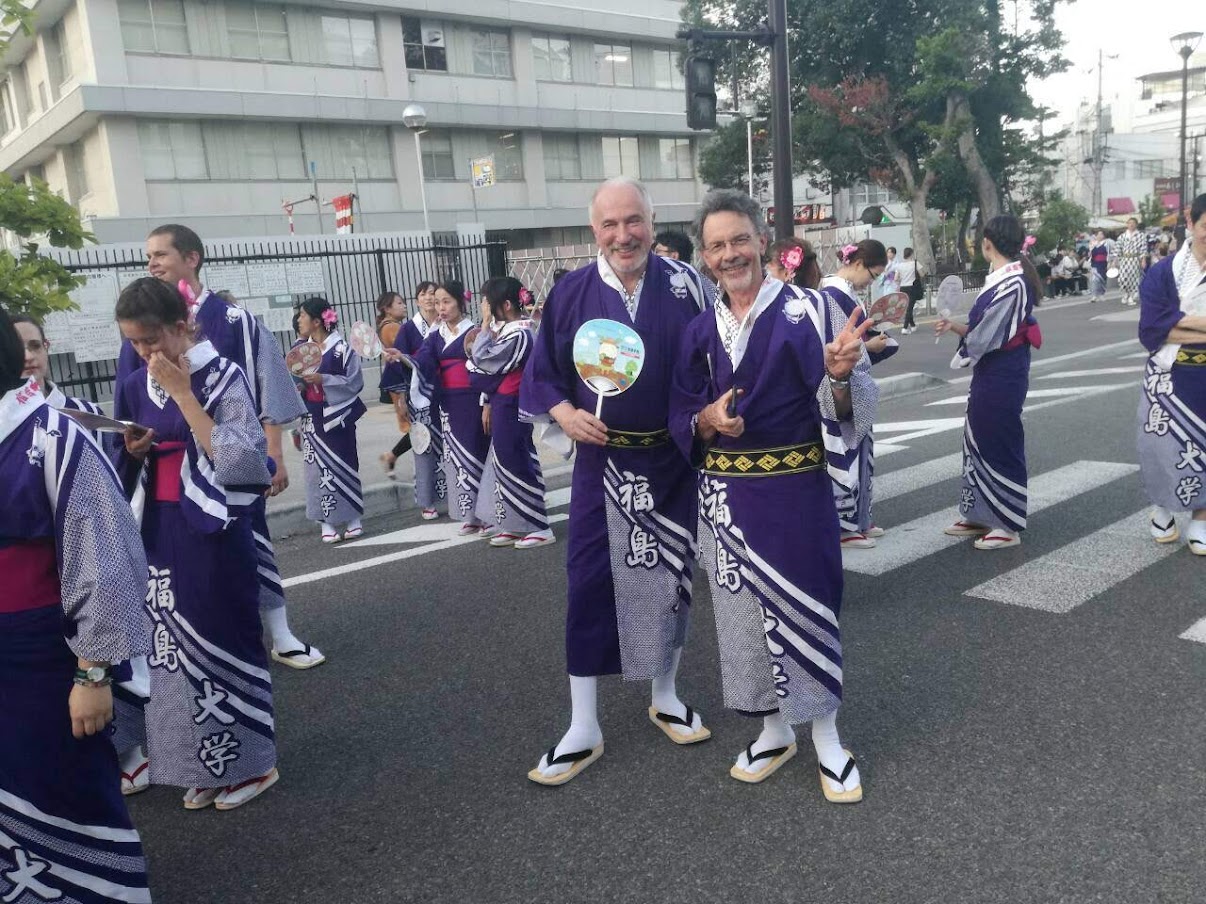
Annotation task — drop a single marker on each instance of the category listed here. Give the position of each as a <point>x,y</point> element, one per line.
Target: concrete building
<point>217,111</point>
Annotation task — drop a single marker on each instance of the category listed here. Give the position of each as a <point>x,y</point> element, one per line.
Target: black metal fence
<point>356,270</point>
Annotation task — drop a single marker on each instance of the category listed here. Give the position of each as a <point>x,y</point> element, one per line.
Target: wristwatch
<point>836,383</point>
<point>96,676</point>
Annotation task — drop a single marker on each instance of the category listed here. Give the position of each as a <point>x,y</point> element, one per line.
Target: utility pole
<point>785,210</point>
<point>1098,154</point>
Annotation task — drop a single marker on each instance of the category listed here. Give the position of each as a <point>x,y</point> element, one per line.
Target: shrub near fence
<point>355,270</point>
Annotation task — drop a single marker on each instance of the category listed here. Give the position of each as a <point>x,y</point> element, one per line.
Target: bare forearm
<point>843,404</point>
<point>274,433</point>
<point>1184,336</point>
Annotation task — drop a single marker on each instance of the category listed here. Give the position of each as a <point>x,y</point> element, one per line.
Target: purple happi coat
<point>632,510</point>
<point>1172,406</point>
<point>75,578</point>
<point>514,475</point>
<point>209,718</point>
<point>441,362</point>
<point>333,491</point>
<point>769,536</point>
<point>1001,330</point>
<point>430,485</point>
<point>241,338</point>
<point>854,506</point>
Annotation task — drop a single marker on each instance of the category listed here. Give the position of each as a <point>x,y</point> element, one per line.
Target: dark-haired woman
<point>996,343</point>
<point>391,314</point>
<point>441,363</point>
<point>794,261</point>
<point>333,406</point>
<point>396,376</point>
<point>496,367</point>
<point>1172,407</point>
<point>860,266</point>
<point>74,582</point>
<point>197,473</point>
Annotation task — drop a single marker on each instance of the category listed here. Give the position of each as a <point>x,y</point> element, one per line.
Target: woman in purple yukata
<point>1172,408</point>
<point>861,265</point>
<point>767,394</point>
<point>996,343</point>
<point>441,364</point>
<point>496,365</point>
<point>328,433</point>
<point>396,376</point>
<point>197,472</point>
<point>74,581</point>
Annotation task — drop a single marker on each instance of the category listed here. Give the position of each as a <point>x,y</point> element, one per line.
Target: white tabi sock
<point>584,731</point>
<point>283,640</point>
<point>775,733</point>
<point>830,752</point>
<point>354,524</point>
<point>665,698</point>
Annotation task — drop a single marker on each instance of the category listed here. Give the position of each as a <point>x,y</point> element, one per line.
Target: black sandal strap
<point>686,721</point>
<point>841,780</point>
<point>752,757</point>
<point>566,757</point>
<point>292,653</point>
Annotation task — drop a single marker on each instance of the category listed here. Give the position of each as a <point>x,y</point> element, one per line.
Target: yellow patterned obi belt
<point>629,439</point>
<point>764,462</point>
<point>1194,357</point>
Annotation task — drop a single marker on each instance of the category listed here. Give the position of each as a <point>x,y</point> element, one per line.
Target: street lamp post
<point>415,118</point>
<point>749,110</point>
<point>1184,44</point>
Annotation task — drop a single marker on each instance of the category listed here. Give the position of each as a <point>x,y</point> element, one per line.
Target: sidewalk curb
<point>907,384</point>
<point>385,498</point>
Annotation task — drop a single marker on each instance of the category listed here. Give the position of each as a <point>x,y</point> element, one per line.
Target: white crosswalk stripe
<point>1074,574</point>
<point>923,536</point>
<point>1096,372</point>
<point>1197,631</point>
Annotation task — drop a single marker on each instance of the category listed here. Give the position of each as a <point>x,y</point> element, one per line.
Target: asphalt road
<point>1009,753</point>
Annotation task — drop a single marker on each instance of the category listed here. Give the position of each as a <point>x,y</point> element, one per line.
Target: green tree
<point>724,161</point>
<point>1060,223</point>
<point>34,283</point>
<point>1150,211</point>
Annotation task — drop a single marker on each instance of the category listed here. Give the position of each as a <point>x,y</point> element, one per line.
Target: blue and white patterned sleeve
<point>494,355</point>
<point>102,564</point>
<point>864,393</point>
<point>280,402</point>
<point>240,450</point>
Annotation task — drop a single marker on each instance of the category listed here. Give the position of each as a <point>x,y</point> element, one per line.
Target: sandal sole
<point>702,735</point>
<point>560,779</point>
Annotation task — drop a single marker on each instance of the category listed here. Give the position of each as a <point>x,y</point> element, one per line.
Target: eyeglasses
<point>737,244</point>
<point>33,346</point>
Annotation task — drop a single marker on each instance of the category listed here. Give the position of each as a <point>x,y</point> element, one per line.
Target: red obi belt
<point>165,477</point>
<point>454,374</point>
<point>31,576</point>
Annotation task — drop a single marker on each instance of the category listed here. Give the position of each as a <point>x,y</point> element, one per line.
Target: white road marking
<point>906,480</point>
<point>1054,392</point>
<point>1073,574</point>
<point>1143,354</point>
<point>1197,631</point>
<point>401,555</point>
<point>1098,372</point>
<point>883,449</point>
<point>1131,316</point>
<point>923,536</point>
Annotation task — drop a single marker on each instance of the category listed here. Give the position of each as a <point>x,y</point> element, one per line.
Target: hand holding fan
<point>364,341</point>
<point>1112,273</point>
<point>952,300</point>
<point>304,359</point>
<point>889,308</point>
<point>608,356</point>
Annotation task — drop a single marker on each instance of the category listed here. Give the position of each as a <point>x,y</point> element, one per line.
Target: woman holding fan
<point>333,406</point>
<point>995,342</point>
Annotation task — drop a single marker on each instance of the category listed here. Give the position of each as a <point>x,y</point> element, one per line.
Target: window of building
<point>1154,169</point>
<point>243,151</point>
<point>620,157</point>
<point>507,149</point>
<point>58,59</point>
<point>257,31</point>
<point>349,41</point>
<point>172,150</point>
<point>153,26</point>
<point>675,160</point>
<point>491,52</point>
<point>438,162</point>
<point>613,64</point>
<point>866,194</point>
<point>423,45</point>
<point>666,73</point>
<point>337,150</point>
<point>8,111</point>
<point>562,160</point>
<point>77,172</point>
<point>551,56</point>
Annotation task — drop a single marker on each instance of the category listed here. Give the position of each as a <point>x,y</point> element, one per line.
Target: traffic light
<point>700,72</point>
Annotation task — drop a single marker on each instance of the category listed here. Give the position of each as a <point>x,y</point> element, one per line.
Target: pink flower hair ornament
<point>468,296</point>
<point>791,258</point>
<point>848,252</point>
<point>329,318</point>
<point>525,297</point>
<point>1029,243</point>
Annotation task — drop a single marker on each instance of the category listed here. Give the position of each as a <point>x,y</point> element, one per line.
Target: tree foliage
<point>31,282</point>
<point>1062,220</point>
<point>724,161</point>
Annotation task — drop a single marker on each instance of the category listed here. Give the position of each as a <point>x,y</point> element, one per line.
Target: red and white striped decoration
<point>343,213</point>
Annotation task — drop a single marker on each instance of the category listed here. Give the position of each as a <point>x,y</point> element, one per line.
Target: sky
<point>1137,33</point>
